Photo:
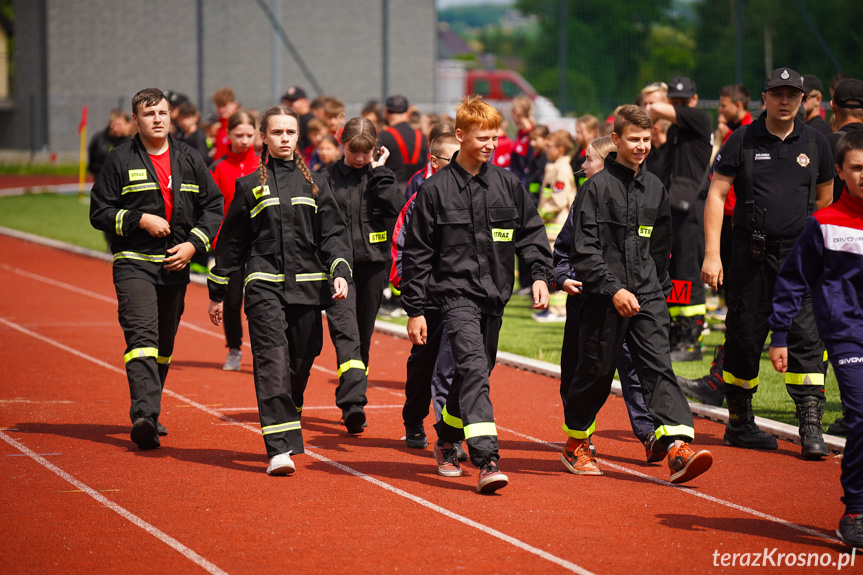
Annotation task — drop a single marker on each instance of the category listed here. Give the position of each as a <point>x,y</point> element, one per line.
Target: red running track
<point>78,498</point>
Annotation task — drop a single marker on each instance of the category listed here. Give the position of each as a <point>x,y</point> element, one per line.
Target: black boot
<point>840,426</point>
<point>741,430</point>
<point>809,413</point>
<point>689,348</point>
<point>707,389</point>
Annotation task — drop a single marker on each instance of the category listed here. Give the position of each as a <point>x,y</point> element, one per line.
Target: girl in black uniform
<point>370,199</point>
<point>286,228</point>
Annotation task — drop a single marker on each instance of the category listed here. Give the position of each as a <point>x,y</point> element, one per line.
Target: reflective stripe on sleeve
<point>264,277</point>
<point>139,256</point>
<point>311,277</point>
<point>203,237</point>
<point>261,205</point>
<point>480,429</point>
<point>194,188</point>
<point>221,280</point>
<point>140,352</point>
<point>281,427</point>
<point>351,364</point>
<point>804,378</point>
<point>139,188</point>
<point>577,434</point>
<point>163,359</point>
<point>118,221</point>
<point>337,262</point>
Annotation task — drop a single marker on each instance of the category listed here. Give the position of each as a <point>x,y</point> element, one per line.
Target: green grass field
<point>65,218</point>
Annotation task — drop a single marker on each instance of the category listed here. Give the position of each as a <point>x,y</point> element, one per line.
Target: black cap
<point>397,104</point>
<point>293,94</point>
<point>784,77</point>
<point>176,98</point>
<point>849,94</point>
<point>681,87</point>
<point>811,82</point>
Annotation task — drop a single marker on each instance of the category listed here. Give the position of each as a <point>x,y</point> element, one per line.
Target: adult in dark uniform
<point>791,173</point>
<point>159,205</point>
<point>687,157</point>
<point>847,106</point>
<point>813,88</point>
<point>408,148</point>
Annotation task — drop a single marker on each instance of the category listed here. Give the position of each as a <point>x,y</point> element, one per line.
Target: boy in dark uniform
<point>160,206</point>
<point>620,247</point>
<point>790,173</point>
<point>469,221</point>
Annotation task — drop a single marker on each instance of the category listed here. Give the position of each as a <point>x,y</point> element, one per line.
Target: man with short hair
<point>813,90</point>
<point>296,99</point>
<point>159,205</point>
<point>687,158</point>
<point>408,147</point>
<point>781,169</point>
<point>847,106</point>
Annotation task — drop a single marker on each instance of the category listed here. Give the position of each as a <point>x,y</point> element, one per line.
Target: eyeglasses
<point>442,159</point>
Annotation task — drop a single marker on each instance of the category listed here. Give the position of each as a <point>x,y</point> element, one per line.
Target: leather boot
<point>809,413</point>
<point>741,430</point>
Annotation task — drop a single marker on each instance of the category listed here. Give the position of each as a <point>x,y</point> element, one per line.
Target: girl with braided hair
<point>286,228</point>
<point>370,198</point>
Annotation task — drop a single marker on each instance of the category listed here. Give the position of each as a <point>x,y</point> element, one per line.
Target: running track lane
<point>203,502</point>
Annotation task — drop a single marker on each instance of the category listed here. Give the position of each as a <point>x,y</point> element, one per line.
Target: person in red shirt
<point>226,105</point>
<point>240,160</point>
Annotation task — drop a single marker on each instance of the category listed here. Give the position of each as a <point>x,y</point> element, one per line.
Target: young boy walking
<point>620,250</point>
<point>159,206</point>
<point>469,221</point>
<point>827,260</point>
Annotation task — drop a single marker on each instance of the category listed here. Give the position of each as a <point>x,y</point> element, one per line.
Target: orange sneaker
<point>578,459</point>
<point>686,464</point>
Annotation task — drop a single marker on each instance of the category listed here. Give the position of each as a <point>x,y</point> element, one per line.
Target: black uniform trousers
<point>687,256</point>
<point>750,303</point>
<point>430,372</point>
<point>233,309</point>
<point>351,322</point>
<point>149,315</point>
<point>286,339</point>
<point>601,336</point>
<point>473,337</point>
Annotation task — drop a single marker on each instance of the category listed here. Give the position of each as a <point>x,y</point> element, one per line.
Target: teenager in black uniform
<point>469,221</point>
<point>370,199</point>
<point>408,148</point>
<point>847,106</point>
<point>687,156</point>
<point>285,226</point>
<point>620,246</point>
<point>159,205</point>
<point>791,174</point>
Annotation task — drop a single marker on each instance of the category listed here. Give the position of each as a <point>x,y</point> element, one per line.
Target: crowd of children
<point>321,212</point>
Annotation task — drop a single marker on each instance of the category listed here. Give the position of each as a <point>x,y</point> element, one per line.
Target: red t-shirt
<point>162,163</point>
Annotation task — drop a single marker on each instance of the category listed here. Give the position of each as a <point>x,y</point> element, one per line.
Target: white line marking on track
<point>688,491</point>
<point>309,407</point>
<point>428,504</point>
<point>121,511</point>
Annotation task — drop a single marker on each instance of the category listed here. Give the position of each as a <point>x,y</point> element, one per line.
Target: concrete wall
<point>100,52</point>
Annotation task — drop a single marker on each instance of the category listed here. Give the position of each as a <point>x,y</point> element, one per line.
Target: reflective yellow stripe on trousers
<point>451,420</point>
<point>351,364</point>
<point>140,352</point>
<point>675,430</point>
<point>479,429</point>
<point>577,434</point>
<point>280,427</point>
<point>804,378</point>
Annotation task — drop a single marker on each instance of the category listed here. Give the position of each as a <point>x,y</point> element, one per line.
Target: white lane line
<point>687,490</point>
<point>121,511</point>
<point>308,408</point>
<point>392,489</point>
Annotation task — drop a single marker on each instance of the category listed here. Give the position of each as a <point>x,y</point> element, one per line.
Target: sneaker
<point>355,420</point>
<point>460,453</point>
<point>447,461</point>
<point>654,450</point>
<point>281,464</point>
<point>160,429</point>
<point>685,464</point>
<point>232,363</point>
<point>144,433</point>
<point>578,459</point>
<point>491,479</point>
<point>851,529</point>
<point>702,390</point>
<point>838,427</point>
<point>415,437</point>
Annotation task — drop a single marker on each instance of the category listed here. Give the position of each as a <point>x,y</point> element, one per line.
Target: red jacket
<point>229,168</point>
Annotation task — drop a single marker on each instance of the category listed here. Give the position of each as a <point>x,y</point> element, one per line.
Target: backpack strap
<point>813,169</point>
<point>748,161</point>
<point>400,142</point>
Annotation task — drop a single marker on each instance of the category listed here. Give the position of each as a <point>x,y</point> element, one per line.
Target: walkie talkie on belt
<point>758,242</point>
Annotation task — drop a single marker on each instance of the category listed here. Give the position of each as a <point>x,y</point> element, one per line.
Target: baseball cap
<point>176,98</point>
<point>397,104</point>
<point>293,94</point>
<point>784,77</point>
<point>681,87</point>
<point>849,94</point>
<point>811,82</point>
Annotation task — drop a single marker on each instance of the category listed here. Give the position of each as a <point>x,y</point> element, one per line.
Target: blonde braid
<point>264,153</point>
<point>301,164</point>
